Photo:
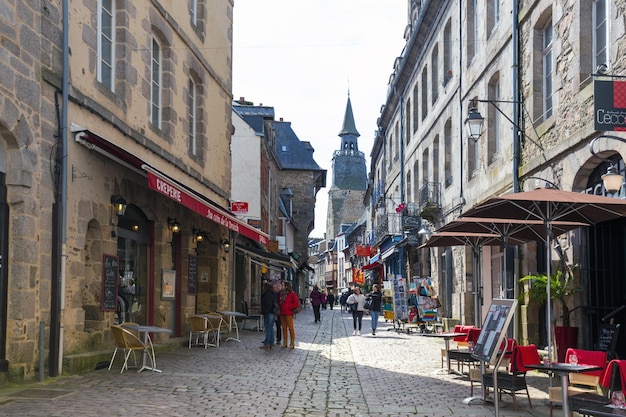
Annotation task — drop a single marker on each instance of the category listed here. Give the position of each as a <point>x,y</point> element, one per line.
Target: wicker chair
<point>128,343</point>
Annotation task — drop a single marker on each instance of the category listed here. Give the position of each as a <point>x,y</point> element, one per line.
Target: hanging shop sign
<point>609,105</point>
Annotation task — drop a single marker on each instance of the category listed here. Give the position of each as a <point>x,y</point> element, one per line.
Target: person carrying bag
<point>356,302</point>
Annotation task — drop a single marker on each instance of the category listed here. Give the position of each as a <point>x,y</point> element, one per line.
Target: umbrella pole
<point>549,300</point>
<point>475,280</point>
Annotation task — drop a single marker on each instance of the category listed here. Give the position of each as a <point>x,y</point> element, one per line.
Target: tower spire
<point>349,127</point>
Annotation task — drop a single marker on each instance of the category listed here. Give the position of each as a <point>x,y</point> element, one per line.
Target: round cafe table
<point>232,322</point>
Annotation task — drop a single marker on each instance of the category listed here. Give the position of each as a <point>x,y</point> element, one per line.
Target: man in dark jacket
<point>316,301</point>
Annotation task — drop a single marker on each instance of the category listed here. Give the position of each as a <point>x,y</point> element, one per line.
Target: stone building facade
<point>144,122</point>
<point>529,69</point>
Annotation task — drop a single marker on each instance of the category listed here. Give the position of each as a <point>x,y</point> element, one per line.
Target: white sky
<point>302,56</point>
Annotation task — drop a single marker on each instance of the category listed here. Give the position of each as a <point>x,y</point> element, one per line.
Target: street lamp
<point>474,124</point>
<point>475,121</point>
<point>612,180</point>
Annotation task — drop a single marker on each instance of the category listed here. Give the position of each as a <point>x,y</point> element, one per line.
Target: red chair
<point>580,383</point>
<point>461,341</point>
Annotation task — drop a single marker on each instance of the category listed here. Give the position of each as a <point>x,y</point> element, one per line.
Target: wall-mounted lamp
<point>135,227</point>
<point>198,235</point>
<point>612,180</point>
<point>225,245</point>
<point>425,230</point>
<point>173,225</point>
<point>474,124</point>
<point>119,204</point>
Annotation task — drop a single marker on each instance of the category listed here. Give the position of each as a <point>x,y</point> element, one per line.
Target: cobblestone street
<point>329,373</point>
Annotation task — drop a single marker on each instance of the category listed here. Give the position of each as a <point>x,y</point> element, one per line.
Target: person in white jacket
<point>356,302</point>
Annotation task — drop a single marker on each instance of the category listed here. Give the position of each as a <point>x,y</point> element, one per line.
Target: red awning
<point>160,183</point>
<point>167,186</point>
<point>371,266</point>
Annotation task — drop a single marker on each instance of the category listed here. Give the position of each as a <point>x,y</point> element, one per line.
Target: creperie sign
<point>204,209</point>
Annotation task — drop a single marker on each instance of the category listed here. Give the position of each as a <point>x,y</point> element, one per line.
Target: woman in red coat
<point>287,301</point>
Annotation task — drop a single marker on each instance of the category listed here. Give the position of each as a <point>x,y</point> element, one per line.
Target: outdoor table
<point>446,337</point>
<point>232,321</point>
<point>146,330</point>
<point>564,369</point>
<point>462,355</point>
<point>602,411</point>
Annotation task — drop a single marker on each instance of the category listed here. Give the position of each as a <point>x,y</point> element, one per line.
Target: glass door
<point>132,250</point>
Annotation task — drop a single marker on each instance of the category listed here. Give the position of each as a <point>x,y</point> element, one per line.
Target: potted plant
<point>562,288</point>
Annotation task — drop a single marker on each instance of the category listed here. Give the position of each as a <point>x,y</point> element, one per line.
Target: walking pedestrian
<point>287,302</point>
<point>356,302</point>
<point>324,299</point>
<point>277,289</point>
<point>342,301</point>
<point>316,301</point>
<point>331,300</point>
<point>377,303</point>
<point>268,308</point>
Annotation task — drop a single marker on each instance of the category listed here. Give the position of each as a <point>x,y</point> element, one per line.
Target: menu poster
<point>168,284</point>
<point>494,330</point>
<point>192,279</point>
<point>110,276</point>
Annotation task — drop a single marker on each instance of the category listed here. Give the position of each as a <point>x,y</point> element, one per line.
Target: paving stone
<point>330,373</point>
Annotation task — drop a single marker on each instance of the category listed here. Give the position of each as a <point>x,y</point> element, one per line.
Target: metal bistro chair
<point>253,317</point>
<point>129,343</point>
<point>515,380</point>
<point>218,325</point>
<point>198,326</point>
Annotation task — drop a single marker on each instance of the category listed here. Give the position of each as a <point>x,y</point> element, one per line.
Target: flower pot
<point>566,337</point>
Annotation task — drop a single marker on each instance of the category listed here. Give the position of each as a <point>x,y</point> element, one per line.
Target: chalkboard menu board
<point>110,277</point>
<point>607,339</point>
<point>192,279</point>
<point>494,329</point>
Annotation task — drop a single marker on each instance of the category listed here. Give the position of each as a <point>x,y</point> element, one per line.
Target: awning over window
<point>268,257</point>
<point>169,187</point>
<point>374,263</point>
<point>160,183</point>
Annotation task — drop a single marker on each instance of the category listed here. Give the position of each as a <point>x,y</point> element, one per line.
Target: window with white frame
<point>434,69</point>
<point>493,118</point>
<point>407,119</point>
<point>447,151</point>
<point>192,106</point>
<point>547,70</point>
<point>600,33</point>
<point>106,43</point>
<point>436,159</point>
<point>472,30</point>
<point>416,182</point>
<point>415,107</point>
<point>193,11</point>
<point>424,93</point>
<point>447,53</point>
<point>493,15</point>
<point>156,75</point>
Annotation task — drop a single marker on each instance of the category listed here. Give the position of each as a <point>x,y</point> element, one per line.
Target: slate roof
<point>254,116</point>
<point>349,127</point>
<point>292,152</point>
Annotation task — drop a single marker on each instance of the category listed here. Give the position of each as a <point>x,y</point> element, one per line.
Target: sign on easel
<point>494,330</point>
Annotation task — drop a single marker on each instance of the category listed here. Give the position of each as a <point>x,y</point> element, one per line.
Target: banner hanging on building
<point>609,105</point>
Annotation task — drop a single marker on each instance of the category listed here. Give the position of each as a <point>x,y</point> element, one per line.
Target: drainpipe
<point>64,119</point>
<point>516,96</point>
<point>58,284</point>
